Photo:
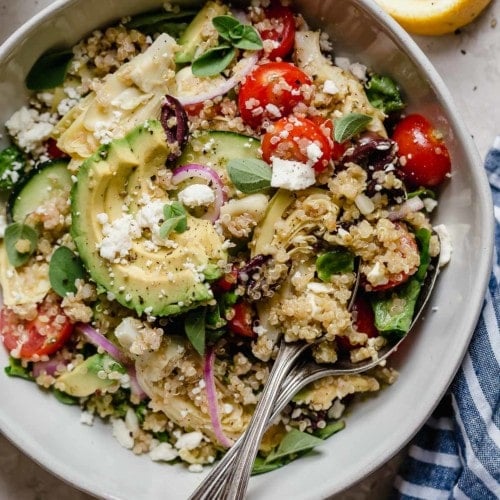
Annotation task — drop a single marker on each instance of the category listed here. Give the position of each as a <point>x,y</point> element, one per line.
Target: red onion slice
<point>99,340</point>
<point>211,177</point>
<point>213,406</point>
<point>409,206</point>
<point>240,71</point>
<point>49,367</point>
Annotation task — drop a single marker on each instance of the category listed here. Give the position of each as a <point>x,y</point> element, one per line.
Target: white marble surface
<point>469,63</point>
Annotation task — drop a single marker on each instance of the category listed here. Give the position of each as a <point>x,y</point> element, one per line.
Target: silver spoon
<point>235,467</point>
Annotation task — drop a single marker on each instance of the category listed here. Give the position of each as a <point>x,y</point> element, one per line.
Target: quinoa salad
<point>186,188</point>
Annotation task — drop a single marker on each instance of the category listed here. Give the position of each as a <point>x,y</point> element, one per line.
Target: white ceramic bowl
<point>91,459</point>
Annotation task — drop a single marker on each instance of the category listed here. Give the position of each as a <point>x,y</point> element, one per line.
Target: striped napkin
<point>456,455</point>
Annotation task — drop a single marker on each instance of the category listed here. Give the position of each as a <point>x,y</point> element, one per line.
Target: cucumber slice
<point>44,182</point>
<point>216,148</point>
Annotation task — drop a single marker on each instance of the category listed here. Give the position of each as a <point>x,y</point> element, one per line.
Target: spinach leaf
<point>213,61</point>
<point>64,398</point>
<point>350,125</point>
<point>20,243</point>
<point>161,21</point>
<point>294,442</point>
<point>423,239</point>
<point>194,326</point>
<point>261,466</point>
<point>16,369</point>
<point>65,268</point>
<point>334,262</point>
<point>49,70</point>
<point>330,429</point>
<point>249,175</point>
<point>384,94</point>
<point>394,311</point>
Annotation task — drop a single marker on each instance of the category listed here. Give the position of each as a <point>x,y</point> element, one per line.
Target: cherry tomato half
<point>297,139</point>
<point>363,320</point>
<point>271,91</point>
<point>241,322</point>
<point>281,30</point>
<point>425,158</point>
<point>226,283</point>
<point>45,334</point>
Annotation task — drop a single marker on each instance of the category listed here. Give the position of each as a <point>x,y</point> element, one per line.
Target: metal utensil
<point>229,478</point>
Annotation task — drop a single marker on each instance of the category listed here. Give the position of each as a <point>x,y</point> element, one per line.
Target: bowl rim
<point>405,433</point>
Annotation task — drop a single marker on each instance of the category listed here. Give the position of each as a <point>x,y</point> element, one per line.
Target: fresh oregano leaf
<point>213,61</point>
<point>333,262</point>
<point>294,441</point>
<point>225,25</point>
<point>20,243</point>
<point>249,40</point>
<point>175,219</point>
<point>194,326</point>
<point>350,125</point>
<point>64,269</point>
<point>249,175</point>
<point>49,70</point>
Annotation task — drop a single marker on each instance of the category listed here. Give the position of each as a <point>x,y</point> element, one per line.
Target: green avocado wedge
<point>117,182</point>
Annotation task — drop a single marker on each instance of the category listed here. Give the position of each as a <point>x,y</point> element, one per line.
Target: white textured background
<point>469,63</point>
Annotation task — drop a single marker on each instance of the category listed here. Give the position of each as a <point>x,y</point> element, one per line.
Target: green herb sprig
<point>232,35</point>
<point>350,125</point>
<point>249,175</point>
<point>175,219</point>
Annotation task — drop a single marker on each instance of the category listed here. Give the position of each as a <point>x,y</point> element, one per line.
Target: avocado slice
<point>113,183</point>
<point>193,37</point>
<point>90,376</point>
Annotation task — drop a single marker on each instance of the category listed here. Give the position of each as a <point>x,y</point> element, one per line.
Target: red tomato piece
<point>291,139</point>
<point>363,320</point>
<point>281,30</point>
<point>424,157</point>
<point>241,322</point>
<point>44,335</point>
<point>339,148</point>
<point>272,91</point>
<point>226,283</point>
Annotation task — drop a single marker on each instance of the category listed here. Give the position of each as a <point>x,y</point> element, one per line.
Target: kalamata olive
<point>175,123</point>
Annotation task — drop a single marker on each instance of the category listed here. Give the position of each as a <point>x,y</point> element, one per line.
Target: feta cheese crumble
<point>196,195</point>
<point>291,175</point>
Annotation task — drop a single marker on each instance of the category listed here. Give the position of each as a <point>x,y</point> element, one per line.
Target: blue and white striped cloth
<point>456,455</point>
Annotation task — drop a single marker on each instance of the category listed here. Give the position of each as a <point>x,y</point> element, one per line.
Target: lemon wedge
<point>433,17</point>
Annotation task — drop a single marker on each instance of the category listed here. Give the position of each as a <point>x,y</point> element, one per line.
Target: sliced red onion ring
<point>213,406</point>
<point>211,177</point>
<point>175,123</point>
<point>99,340</point>
<point>49,367</point>
<point>135,387</point>
<point>243,68</point>
<point>409,206</point>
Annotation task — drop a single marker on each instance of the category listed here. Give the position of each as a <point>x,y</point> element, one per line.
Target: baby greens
<point>384,94</point>
<point>49,70</point>
<point>232,35</point>
<point>64,269</point>
<point>20,243</point>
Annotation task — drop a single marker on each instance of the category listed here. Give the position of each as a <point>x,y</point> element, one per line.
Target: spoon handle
<point>237,482</point>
